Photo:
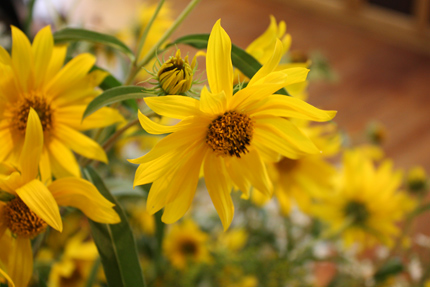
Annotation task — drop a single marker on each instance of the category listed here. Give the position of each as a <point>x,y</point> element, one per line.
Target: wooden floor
<point>377,80</point>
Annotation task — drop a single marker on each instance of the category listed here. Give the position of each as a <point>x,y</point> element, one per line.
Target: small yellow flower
<point>76,262</point>
<point>233,240</point>
<point>35,206</point>
<point>226,136</point>
<point>185,244</point>
<point>34,77</point>
<point>367,204</point>
<point>417,180</point>
<point>175,76</point>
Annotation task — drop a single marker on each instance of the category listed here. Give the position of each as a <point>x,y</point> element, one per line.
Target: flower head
<point>35,205</point>
<point>175,76</point>
<point>225,136</point>
<point>34,78</point>
<point>186,243</point>
<point>367,204</point>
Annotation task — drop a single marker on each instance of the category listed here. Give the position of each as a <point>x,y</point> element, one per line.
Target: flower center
<point>188,247</point>
<point>286,164</point>
<point>22,109</point>
<point>230,134</point>
<point>21,220</point>
<point>357,211</point>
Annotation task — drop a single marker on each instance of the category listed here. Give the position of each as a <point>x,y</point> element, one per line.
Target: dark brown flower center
<point>189,247</point>
<point>21,220</point>
<point>22,109</point>
<point>357,211</point>
<point>286,164</point>
<point>230,134</point>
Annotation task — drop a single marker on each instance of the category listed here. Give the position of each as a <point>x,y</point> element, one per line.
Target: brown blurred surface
<point>378,81</point>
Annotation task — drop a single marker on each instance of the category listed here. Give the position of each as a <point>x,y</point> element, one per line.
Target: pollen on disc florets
<point>230,134</point>
<point>21,221</point>
<point>22,109</point>
<point>175,76</point>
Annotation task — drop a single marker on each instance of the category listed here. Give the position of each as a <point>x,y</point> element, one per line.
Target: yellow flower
<point>224,135</point>
<point>175,76</point>
<point>76,262</point>
<point>299,181</point>
<point>33,77</point>
<point>141,219</point>
<point>367,204</point>
<point>35,205</point>
<point>233,240</point>
<point>186,243</point>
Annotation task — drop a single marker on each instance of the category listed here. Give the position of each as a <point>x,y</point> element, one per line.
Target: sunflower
<point>33,77</point>
<point>33,205</point>
<point>224,135</point>
<point>186,243</point>
<point>367,204</point>
<point>300,181</point>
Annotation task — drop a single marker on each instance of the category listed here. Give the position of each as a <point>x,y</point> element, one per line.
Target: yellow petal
<point>20,265</point>
<point>271,65</point>
<point>286,134</point>
<point>8,279</point>
<point>214,104</point>
<point>72,116</point>
<point>7,143</point>
<point>155,128</point>
<point>56,62</point>
<point>219,188</point>
<point>70,75</point>
<point>177,107</point>
<point>62,160</point>
<point>239,179</point>
<point>32,149</point>
<point>4,56</point>
<point>40,200</point>
<point>289,107</point>
<point>43,45</point>
<point>21,58</point>
<point>10,178</point>
<point>80,143</point>
<point>186,178</point>
<point>83,195</point>
<point>255,171</point>
<point>45,167</point>
<point>219,68</point>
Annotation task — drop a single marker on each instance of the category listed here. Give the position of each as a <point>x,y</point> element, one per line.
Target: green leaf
<point>114,95</point>
<point>246,63</point>
<point>75,34</point>
<point>115,243</point>
<point>391,268</point>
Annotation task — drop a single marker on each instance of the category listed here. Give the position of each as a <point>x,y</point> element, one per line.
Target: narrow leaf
<point>75,34</point>
<point>114,95</point>
<point>243,61</point>
<point>115,243</point>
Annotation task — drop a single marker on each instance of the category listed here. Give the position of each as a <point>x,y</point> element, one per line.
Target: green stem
<point>29,19</point>
<point>159,235</point>
<point>94,272</point>
<point>136,68</point>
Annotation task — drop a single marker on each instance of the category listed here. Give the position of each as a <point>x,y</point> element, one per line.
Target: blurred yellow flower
<point>34,77</point>
<point>299,181</point>
<point>185,244</point>
<point>34,205</point>
<point>262,49</point>
<point>233,240</point>
<point>417,180</point>
<point>367,204</point>
<point>76,263</point>
<point>228,135</point>
<point>141,219</point>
